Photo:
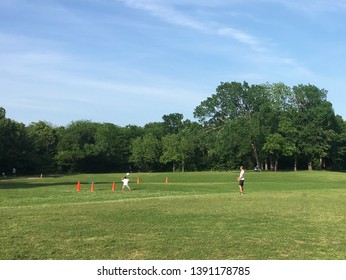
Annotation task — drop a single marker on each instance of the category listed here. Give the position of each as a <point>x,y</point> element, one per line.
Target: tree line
<point>268,126</point>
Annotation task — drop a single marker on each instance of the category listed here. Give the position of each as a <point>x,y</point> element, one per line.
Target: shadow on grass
<point>36,182</point>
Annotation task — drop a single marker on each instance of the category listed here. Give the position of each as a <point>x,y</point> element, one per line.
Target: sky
<point>129,62</point>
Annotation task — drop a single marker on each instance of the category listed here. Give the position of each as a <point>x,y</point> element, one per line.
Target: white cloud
<point>170,15</point>
<point>242,37</point>
<point>165,13</point>
<point>260,53</point>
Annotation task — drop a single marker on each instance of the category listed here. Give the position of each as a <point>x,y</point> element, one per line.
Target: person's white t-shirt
<point>125,181</point>
<point>241,176</point>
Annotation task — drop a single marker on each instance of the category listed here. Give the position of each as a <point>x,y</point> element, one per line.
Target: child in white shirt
<point>125,181</point>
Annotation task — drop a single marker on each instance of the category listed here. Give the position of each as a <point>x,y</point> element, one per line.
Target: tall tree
<point>2,113</point>
<point>145,152</point>
<point>178,148</point>
<point>274,147</point>
<point>43,138</point>
<point>290,132</point>
<point>14,145</point>
<point>241,102</point>
<point>111,148</point>
<point>172,123</point>
<point>74,148</point>
<point>337,153</point>
<point>316,117</point>
<point>170,147</point>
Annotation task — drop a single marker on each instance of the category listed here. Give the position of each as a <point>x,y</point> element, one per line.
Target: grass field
<point>282,216</point>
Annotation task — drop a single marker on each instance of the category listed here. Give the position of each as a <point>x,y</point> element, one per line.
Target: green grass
<point>283,215</point>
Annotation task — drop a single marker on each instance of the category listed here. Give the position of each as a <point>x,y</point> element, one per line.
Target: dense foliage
<point>271,126</point>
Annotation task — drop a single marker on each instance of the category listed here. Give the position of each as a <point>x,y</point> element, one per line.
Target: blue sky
<point>133,61</point>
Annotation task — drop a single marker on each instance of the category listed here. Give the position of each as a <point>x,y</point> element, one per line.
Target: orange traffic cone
<point>78,186</point>
<point>92,187</point>
<point>113,187</point>
<point>138,180</point>
<point>166,180</point>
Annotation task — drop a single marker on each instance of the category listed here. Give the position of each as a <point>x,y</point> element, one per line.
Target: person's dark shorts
<point>241,183</point>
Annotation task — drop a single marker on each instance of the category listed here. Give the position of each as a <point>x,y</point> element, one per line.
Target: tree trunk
<point>322,164</point>
<point>295,163</point>
<point>310,166</point>
<point>255,150</point>
<point>271,163</point>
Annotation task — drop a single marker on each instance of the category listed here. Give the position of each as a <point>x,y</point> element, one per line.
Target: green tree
<point>111,148</point>
<point>75,151</point>
<point>14,145</point>
<point>337,153</point>
<point>154,128</point>
<point>172,123</point>
<point>170,147</point>
<point>315,123</point>
<point>178,148</point>
<point>290,132</point>
<point>145,152</point>
<point>248,105</point>
<point>274,147</point>
<point>231,146</point>
<point>43,139</point>
<point>2,113</point>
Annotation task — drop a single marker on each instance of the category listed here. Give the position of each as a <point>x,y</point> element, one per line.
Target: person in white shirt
<point>241,179</point>
<point>125,181</point>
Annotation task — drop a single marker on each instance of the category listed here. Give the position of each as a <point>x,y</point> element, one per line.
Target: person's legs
<point>241,186</point>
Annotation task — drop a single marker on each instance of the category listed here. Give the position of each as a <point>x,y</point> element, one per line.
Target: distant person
<point>14,171</point>
<point>125,181</point>
<point>241,179</point>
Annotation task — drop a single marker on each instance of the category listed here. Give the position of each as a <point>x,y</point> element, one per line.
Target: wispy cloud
<point>170,15</point>
<point>241,37</point>
<point>165,13</point>
<point>264,54</point>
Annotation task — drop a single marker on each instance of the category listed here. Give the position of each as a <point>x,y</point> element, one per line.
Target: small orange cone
<point>92,187</point>
<point>138,180</point>
<point>113,187</point>
<point>78,186</point>
<point>166,180</point>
